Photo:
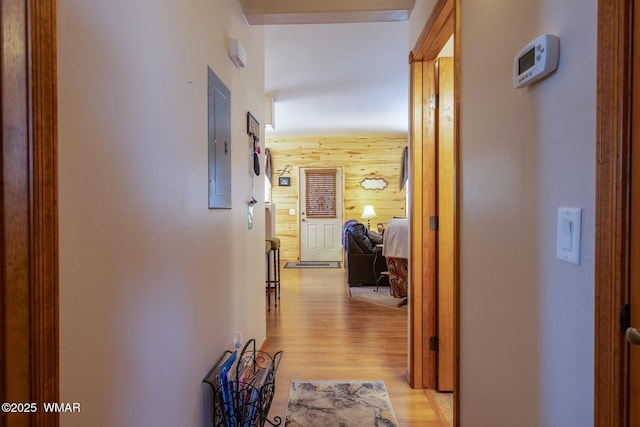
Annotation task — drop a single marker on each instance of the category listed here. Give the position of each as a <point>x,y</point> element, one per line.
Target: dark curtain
<point>404,167</point>
<point>268,170</point>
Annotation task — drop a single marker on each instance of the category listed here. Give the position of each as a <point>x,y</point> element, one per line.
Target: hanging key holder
<point>253,129</point>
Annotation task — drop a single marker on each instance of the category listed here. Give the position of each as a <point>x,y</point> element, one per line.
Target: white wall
<point>526,319</point>
<point>419,15</point>
<point>152,282</point>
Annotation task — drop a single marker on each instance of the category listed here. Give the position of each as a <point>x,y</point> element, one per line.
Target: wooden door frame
<point>29,228</point>
<point>612,201</point>
<point>613,143</point>
<point>443,22</point>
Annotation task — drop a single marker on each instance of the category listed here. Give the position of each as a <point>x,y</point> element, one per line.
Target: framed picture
<point>253,127</point>
<point>284,181</point>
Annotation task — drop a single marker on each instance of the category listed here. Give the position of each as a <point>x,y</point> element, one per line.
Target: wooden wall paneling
<point>612,209</point>
<point>359,157</point>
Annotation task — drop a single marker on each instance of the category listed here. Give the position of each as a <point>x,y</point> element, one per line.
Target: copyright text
<point>32,407</point>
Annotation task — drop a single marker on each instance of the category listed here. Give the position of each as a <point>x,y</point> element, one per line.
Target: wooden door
<point>446,222</point>
<point>433,255</point>
<point>422,207</point>
<point>320,214</point>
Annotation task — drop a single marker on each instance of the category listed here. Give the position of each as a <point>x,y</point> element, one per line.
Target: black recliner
<point>363,260</point>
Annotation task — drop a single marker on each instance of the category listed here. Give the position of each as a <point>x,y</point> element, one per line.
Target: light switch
<point>292,211</point>
<point>568,239</point>
<point>565,234</point>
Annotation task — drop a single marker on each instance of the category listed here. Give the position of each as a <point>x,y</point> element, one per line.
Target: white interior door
<point>320,214</point>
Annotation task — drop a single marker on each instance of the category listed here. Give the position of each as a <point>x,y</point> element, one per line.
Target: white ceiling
<point>338,79</point>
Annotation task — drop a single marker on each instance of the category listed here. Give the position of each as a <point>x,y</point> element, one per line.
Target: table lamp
<point>367,214</point>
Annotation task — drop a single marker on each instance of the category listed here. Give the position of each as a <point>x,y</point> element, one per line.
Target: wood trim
<point>436,32</point>
<point>634,228</point>
<point>415,373</point>
<point>15,373</point>
<point>612,210</point>
<point>429,241</point>
<point>29,324</point>
<point>457,206</point>
<point>44,187</point>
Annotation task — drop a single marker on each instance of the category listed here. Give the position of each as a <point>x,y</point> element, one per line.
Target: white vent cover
<point>237,53</point>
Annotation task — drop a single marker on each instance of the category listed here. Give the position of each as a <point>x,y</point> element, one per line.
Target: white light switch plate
<point>568,234</point>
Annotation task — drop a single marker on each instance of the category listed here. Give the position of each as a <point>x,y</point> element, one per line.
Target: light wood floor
<point>327,336</point>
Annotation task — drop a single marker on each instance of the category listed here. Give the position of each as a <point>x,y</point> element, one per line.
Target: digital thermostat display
<point>527,61</point>
<point>536,60</point>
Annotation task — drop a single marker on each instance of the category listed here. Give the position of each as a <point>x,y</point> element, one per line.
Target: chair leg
<point>268,287</point>
<point>276,276</point>
<point>278,279</point>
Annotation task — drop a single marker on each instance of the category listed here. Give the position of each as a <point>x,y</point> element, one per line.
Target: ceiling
<point>335,67</point>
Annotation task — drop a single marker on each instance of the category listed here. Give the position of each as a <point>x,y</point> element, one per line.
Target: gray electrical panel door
<point>219,141</point>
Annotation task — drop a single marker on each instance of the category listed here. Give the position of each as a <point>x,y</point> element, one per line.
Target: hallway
<point>327,336</point>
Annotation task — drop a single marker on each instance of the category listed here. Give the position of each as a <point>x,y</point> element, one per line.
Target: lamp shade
<point>369,212</point>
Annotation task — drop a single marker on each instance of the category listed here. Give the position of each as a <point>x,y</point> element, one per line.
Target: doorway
<point>434,169</point>
<point>320,214</point>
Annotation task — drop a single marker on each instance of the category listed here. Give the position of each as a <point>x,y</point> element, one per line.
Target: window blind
<point>321,193</point>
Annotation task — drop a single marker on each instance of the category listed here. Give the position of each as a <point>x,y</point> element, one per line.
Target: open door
<point>433,277</point>
<point>446,227</point>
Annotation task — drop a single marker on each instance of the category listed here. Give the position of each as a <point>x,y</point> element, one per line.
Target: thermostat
<point>536,60</point>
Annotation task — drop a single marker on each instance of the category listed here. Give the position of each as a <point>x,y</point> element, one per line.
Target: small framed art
<point>284,181</point>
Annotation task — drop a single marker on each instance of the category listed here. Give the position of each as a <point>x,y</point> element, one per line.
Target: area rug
<point>381,297</point>
<point>313,264</point>
<point>339,403</point>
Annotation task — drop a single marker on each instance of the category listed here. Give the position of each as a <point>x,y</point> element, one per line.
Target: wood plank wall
<point>359,158</point>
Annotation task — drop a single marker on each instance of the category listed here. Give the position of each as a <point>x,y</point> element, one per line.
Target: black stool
<point>268,288</point>
<point>275,263</point>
